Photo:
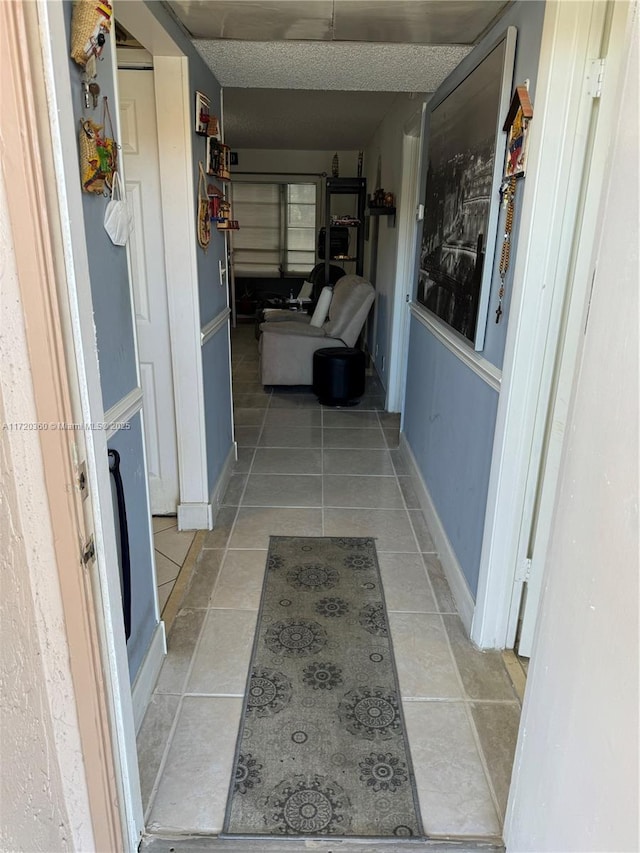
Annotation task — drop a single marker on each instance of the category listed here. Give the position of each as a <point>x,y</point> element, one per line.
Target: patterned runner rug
<point>322,749</point>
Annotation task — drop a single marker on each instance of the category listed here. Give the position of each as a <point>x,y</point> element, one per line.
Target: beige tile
<point>219,536</point>
<point>248,417</point>
<point>399,463</point>
<point>276,436</point>
<point>247,369</point>
<point>240,584</point>
<point>423,534</point>
<point>357,462</point>
<point>406,587</point>
<point>251,401</point>
<point>283,490</point>
<point>256,524</point>
<point>292,400</point>
<point>389,527</point>
<point>222,658</point>
<point>349,418</point>
<point>244,460</point>
<point>232,496</point>
<point>497,725</point>
<point>181,643</point>
<point>425,665</point>
<point>293,418</point>
<point>444,597</point>
<point>353,438</point>
<point>193,792</point>
<point>174,544</point>
<point>247,436</point>
<point>372,402</point>
<point>166,569</point>
<point>164,591</point>
<point>408,492</point>
<point>203,579</point>
<point>281,461</point>
<point>247,384</point>
<point>353,491</point>
<point>483,674</point>
<point>454,795</point>
<point>163,522</point>
<point>391,437</point>
<point>516,671</point>
<point>153,738</point>
<point>390,420</point>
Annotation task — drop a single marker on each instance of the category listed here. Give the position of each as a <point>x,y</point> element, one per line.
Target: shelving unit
<point>336,189</point>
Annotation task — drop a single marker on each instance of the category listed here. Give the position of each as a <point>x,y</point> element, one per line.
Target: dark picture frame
<point>464,163</point>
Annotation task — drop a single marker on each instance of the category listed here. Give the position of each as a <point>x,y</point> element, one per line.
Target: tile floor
<point>306,470</point>
<point>171,548</point>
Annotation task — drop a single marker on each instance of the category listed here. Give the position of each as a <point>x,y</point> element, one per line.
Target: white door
<point>146,252</point>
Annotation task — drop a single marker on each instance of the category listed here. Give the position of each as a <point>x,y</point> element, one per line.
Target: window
<point>277,228</point>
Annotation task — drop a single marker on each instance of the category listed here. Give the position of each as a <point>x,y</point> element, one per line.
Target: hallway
<point>307,470</point>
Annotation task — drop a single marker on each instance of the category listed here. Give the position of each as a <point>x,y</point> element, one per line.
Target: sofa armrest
<point>287,358</point>
<point>292,327</point>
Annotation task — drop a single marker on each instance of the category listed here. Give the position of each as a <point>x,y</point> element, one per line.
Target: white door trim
<point>562,111</point>
<point>173,99</point>
<point>82,337</point>
<point>407,235</point>
<point>178,206</point>
<point>561,372</point>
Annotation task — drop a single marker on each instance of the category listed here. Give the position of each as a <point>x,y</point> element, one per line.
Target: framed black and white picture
<point>464,163</point>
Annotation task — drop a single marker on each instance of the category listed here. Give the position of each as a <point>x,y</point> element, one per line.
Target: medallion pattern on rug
<point>322,749</point>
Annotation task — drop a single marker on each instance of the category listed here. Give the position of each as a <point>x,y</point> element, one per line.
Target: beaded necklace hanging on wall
<point>517,125</point>
<point>508,192</point>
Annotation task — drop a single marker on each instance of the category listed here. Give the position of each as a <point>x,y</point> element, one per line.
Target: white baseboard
<point>195,516</point>
<point>148,674</point>
<point>220,487</point>
<point>450,565</point>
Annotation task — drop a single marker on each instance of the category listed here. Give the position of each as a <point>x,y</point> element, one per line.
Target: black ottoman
<point>338,375</point>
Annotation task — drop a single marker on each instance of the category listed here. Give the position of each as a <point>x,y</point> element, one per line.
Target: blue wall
<point>118,370</point>
<point>107,263</point>
<point>129,444</point>
<point>115,338</point>
<point>450,412</point>
<point>217,403</point>
<point>212,297</point>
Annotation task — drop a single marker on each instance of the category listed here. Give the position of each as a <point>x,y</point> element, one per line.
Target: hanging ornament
<point>335,166</point>
<point>508,192</point>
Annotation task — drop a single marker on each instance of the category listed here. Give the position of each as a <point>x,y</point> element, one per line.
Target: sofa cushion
<point>349,298</point>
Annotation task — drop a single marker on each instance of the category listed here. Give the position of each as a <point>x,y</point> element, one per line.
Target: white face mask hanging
<point>118,220</point>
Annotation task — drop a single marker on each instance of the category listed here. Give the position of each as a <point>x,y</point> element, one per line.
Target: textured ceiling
<point>328,58</point>
<point>275,118</point>
<point>330,65</point>
<point>401,21</point>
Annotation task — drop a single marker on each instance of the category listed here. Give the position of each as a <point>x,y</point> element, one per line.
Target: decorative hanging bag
<point>204,215</point>
<point>91,174</point>
<point>90,25</point>
<point>118,220</point>
<point>98,154</point>
<point>107,146</point>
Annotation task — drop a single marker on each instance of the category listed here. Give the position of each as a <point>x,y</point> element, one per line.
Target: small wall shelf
<point>384,211</point>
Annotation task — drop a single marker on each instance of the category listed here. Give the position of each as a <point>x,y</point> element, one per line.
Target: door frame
<point>172,93</point>
<point>572,37</point>
<point>80,341</point>
<point>173,108</point>
<point>536,530</point>
<point>407,236</point>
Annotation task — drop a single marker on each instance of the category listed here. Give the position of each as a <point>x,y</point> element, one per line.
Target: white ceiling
<point>354,66</point>
<point>297,72</point>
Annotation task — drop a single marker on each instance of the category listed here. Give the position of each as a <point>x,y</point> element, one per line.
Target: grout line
<point>474,732</point>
